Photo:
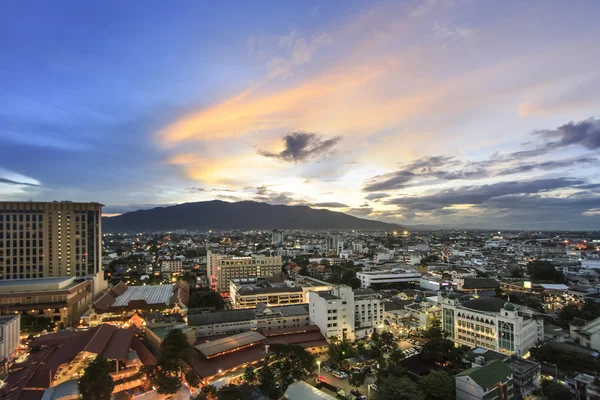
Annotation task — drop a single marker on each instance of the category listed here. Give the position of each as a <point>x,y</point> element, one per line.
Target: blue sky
<point>457,112</point>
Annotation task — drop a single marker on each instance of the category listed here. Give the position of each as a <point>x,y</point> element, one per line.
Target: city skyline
<point>436,112</point>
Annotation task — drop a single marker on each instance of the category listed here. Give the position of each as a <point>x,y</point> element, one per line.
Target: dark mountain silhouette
<point>222,215</point>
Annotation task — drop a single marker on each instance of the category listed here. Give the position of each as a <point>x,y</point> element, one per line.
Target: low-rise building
<point>394,275</point>
<point>236,321</point>
<point>487,382</point>
<point>248,293</point>
<point>62,299</point>
<point>586,334</point>
<point>491,323</point>
<point>10,329</point>
<point>221,269</point>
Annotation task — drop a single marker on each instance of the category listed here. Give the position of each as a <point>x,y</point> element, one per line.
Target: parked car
<point>340,374</point>
<point>355,392</point>
<point>327,368</point>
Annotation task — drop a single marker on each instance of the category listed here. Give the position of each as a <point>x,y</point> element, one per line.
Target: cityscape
<point>384,200</point>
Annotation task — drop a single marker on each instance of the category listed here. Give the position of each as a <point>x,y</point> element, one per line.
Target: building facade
<point>63,300</point>
<point>222,269</point>
<point>51,239</point>
<point>346,314</point>
<point>396,275</point>
<point>493,381</point>
<point>174,266</point>
<point>491,323</point>
<point>10,329</point>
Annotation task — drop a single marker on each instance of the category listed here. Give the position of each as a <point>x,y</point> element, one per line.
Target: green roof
<point>488,375</point>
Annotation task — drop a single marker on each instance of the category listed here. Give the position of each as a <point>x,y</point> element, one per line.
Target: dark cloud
<point>11,182</point>
<point>481,194</point>
<point>584,133</point>
<point>301,146</point>
<point>545,165</point>
<point>331,204</point>
<point>376,196</point>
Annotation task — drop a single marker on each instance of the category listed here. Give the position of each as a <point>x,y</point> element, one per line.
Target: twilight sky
<point>466,113</point>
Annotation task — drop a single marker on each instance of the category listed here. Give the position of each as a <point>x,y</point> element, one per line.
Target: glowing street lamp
<point>319,366</point>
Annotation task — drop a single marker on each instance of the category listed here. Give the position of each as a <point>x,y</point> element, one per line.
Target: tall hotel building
<point>55,239</point>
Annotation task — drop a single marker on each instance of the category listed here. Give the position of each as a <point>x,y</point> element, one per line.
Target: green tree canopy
<point>437,385</point>
<point>356,379</point>
<point>392,388</point>
<point>250,375</point>
<point>267,384</point>
<point>555,391</point>
<point>544,271</point>
<point>200,298</point>
<point>340,350</point>
<point>96,382</point>
<point>293,362</point>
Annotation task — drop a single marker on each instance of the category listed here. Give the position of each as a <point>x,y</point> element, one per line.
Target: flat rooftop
<point>210,349</point>
<point>37,284</point>
<point>395,271</point>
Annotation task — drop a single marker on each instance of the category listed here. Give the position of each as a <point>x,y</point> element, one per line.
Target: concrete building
<point>395,275</point>
<point>590,264</point>
<point>248,293</point>
<point>491,323</point>
<point>586,334</point>
<point>51,239</point>
<point>235,321</point>
<point>10,330</point>
<point>63,300</point>
<point>490,382</point>
<point>173,266</point>
<point>344,313</point>
<point>222,269</point>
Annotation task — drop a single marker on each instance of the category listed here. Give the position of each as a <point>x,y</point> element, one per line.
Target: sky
<point>458,113</point>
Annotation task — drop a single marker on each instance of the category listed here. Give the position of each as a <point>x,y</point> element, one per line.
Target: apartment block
<point>221,269</point>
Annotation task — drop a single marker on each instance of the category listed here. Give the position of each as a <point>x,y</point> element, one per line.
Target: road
<point>343,383</point>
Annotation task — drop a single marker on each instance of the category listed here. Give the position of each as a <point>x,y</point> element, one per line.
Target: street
<point>343,383</point>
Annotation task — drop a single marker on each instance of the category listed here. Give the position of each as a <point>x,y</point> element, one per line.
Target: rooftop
<point>211,349</point>
<point>488,375</point>
<point>221,317</point>
<point>159,294</point>
<point>489,304</point>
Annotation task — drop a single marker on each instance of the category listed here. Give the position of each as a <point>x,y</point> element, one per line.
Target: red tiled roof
<point>104,302</point>
<point>207,368</point>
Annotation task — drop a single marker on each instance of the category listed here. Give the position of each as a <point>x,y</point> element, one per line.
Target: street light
<point>319,373</point>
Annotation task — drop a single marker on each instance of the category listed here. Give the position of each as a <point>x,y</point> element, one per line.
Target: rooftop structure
<point>388,275</point>
<point>229,344</point>
<point>127,298</point>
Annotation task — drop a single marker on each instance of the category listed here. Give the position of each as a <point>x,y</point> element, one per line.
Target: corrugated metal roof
<point>230,343</point>
<point>159,294</point>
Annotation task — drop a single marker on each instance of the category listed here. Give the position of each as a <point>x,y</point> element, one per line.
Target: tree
<point>166,374</point>
<point>250,375</point>
<point>437,385</point>
<point>96,382</point>
<point>516,273</point>
<point>354,283</point>
<point>555,391</point>
<point>192,378</point>
<point>267,384</point>
<point>228,392</point>
<point>392,388</point>
<point>340,350</point>
<point>200,298</point>
<point>208,392</point>
<point>293,362</point>
<point>540,270</point>
<point>33,324</point>
<point>356,379</point>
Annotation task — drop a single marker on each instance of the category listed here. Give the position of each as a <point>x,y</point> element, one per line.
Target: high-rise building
<point>50,239</point>
<point>221,269</point>
<point>277,237</point>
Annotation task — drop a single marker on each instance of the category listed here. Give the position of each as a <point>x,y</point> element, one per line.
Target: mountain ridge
<point>223,215</point>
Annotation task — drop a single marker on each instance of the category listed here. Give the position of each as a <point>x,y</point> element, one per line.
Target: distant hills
<point>222,215</point>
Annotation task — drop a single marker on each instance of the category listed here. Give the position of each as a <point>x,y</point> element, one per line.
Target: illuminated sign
<point>527,285</point>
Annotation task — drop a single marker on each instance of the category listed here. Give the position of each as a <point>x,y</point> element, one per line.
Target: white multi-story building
<point>171,266</point>
<point>10,328</point>
<point>396,275</point>
<point>590,264</point>
<point>344,313</point>
<point>222,269</point>
<point>491,323</point>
